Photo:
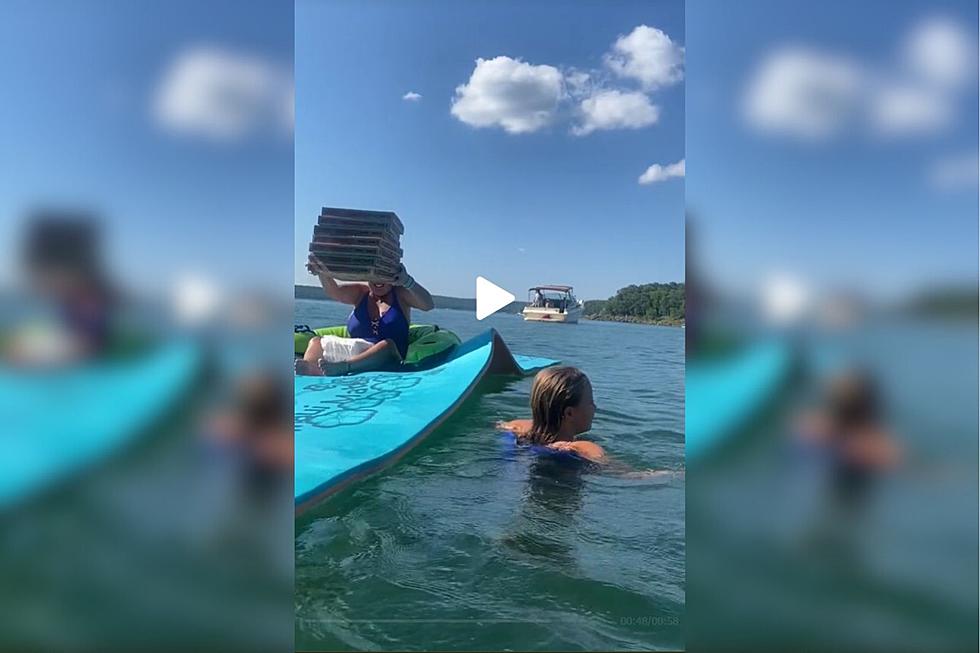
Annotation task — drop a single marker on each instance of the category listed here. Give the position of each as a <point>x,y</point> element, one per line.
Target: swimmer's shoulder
<point>584,448</point>
<point>590,450</point>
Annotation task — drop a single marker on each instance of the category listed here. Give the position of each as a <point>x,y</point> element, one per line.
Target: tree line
<point>649,302</point>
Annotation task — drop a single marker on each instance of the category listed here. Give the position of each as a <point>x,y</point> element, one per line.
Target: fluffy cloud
<point>509,93</point>
<point>615,110</point>
<point>648,56</point>
<point>940,51</point>
<point>921,96</point>
<point>813,95</point>
<point>578,83</point>
<point>223,95</point>
<point>520,97</point>
<point>412,96</point>
<point>802,93</point>
<point>657,172</point>
<point>909,109</point>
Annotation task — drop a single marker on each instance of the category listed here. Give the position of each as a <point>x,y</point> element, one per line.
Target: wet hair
<point>262,401</point>
<point>554,389</point>
<point>854,400</point>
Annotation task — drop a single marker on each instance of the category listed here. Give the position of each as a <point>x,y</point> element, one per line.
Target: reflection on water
<point>547,511</point>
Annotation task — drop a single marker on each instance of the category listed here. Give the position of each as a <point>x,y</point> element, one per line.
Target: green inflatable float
<point>427,343</point>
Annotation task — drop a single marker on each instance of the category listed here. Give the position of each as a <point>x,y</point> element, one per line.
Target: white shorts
<point>337,349</point>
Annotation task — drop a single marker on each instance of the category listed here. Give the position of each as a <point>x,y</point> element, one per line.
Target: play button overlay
<point>490,298</point>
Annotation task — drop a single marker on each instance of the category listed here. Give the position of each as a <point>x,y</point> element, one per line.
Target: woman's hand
<point>316,266</point>
<point>515,426</point>
<point>403,278</point>
<point>412,292</point>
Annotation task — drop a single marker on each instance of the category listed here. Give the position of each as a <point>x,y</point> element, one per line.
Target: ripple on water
<point>464,547</point>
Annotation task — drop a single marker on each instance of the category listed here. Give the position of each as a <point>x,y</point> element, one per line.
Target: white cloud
<point>520,97</point>
<point>940,51</point>
<point>509,93</point>
<point>904,109</point>
<point>412,96</point>
<point>578,83</point>
<point>657,172</point>
<point>223,95</point>
<point>648,56</point>
<point>802,93</point>
<point>956,172</point>
<point>615,110</point>
<point>814,95</point>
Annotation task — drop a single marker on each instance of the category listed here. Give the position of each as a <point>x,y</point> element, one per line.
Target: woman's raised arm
<point>350,293</point>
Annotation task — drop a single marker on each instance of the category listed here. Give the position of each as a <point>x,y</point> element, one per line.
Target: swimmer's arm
<point>223,427</point>
<point>624,470</point>
<point>276,449</point>
<point>588,450</point>
<point>879,451</point>
<point>516,426</point>
<point>811,428</point>
<point>585,449</point>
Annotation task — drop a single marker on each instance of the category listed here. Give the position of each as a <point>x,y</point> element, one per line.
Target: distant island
<point>652,303</point>
<point>957,301</point>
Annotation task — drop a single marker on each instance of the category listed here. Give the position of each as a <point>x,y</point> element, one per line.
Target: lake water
<point>772,569</point>
<point>455,547</point>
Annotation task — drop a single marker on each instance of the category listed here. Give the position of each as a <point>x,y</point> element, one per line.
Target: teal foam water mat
<point>722,394</point>
<point>348,427</point>
<point>57,423</point>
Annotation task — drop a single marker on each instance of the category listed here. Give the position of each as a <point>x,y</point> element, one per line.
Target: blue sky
<point>495,191</point>
<point>80,128</point>
<point>853,197</point>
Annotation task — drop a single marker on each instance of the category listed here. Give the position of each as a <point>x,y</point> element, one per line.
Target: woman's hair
<point>854,400</point>
<point>262,401</point>
<point>554,389</point>
<point>70,243</point>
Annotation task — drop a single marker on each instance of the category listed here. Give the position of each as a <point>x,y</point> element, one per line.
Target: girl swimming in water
<point>562,407</point>
<point>851,430</point>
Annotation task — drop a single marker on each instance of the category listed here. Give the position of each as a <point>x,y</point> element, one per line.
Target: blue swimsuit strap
<point>511,442</point>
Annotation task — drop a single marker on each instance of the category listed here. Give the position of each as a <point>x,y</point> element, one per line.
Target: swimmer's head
<point>853,399</point>
<point>560,397</point>
<point>262,401</point>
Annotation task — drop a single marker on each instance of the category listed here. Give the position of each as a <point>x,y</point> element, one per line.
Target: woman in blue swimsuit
<point>562,408</point>
<point>378,325</point>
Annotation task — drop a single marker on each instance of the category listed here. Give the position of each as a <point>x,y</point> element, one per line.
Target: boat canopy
<point>555,288</point>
